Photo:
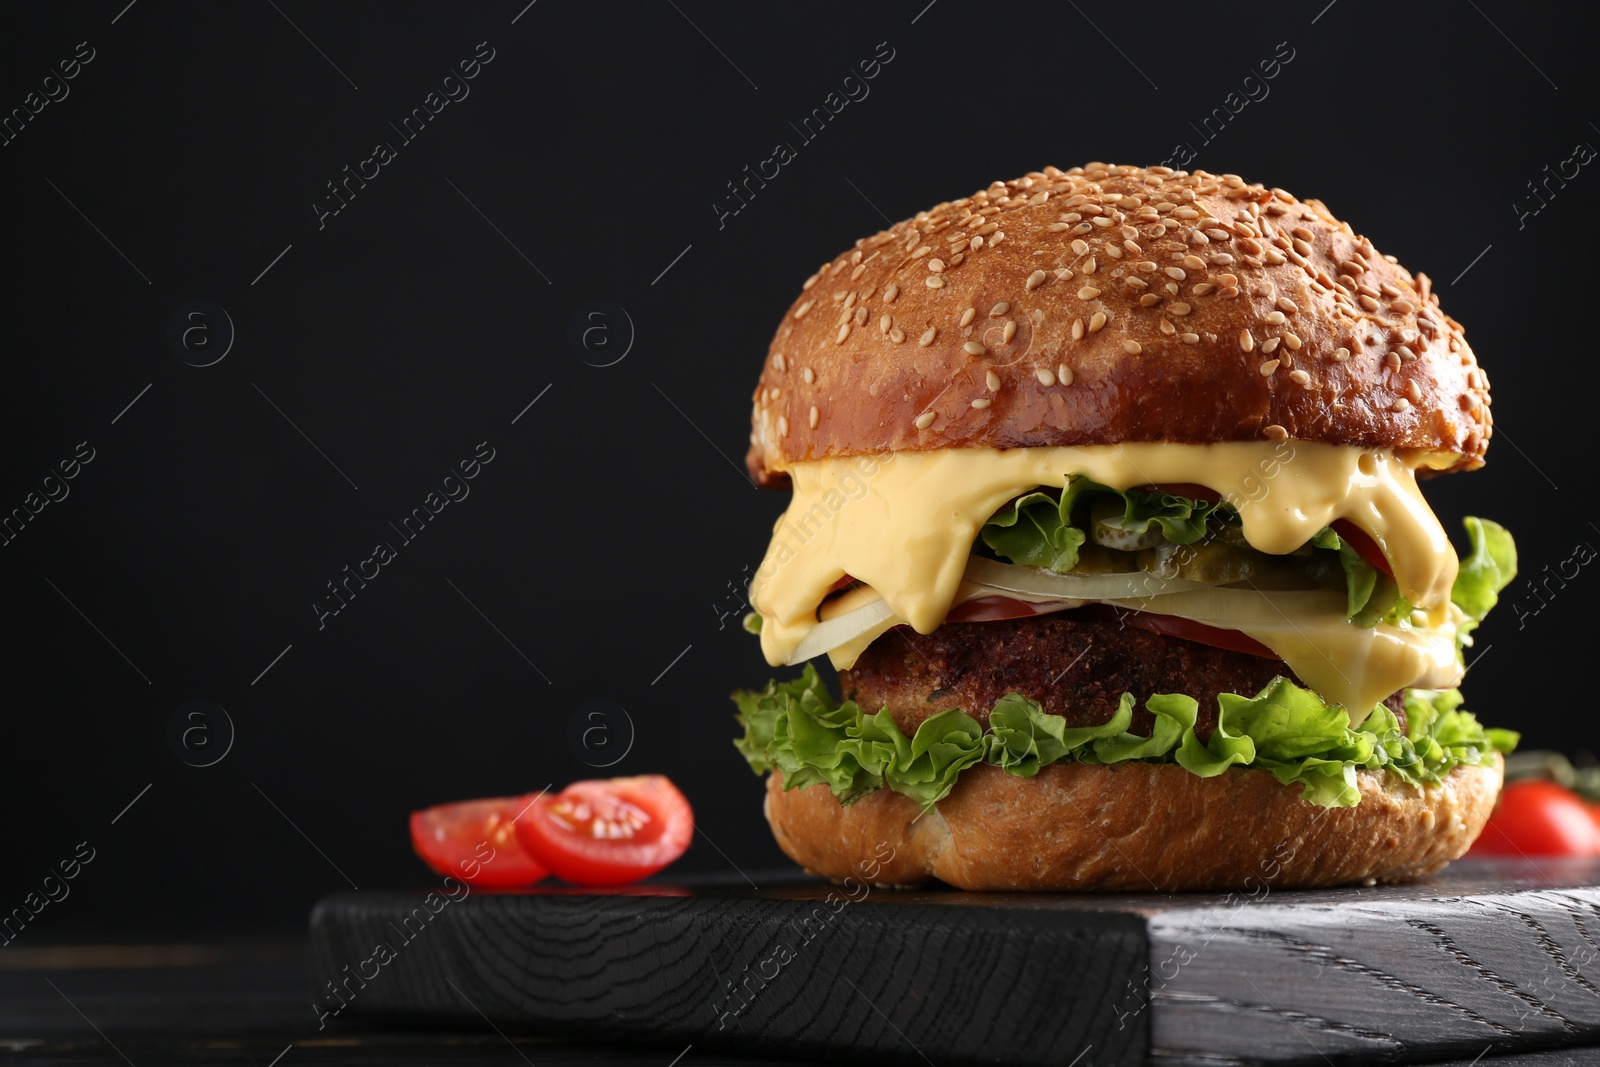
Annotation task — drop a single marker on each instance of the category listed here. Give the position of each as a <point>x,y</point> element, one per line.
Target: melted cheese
<point>904,523</point>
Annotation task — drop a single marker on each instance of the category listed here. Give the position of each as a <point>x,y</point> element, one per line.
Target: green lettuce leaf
<point>1039,529</point>
<point>1030,530</point>
<point>1489,568</point>
<point>1285,730</point>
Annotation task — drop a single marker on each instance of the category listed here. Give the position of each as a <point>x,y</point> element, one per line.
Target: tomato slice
<point>1198,632</point>
<point>1538,818</point>
<point>1363,543</point>
<point>608,831</point>
<point>475,841</point>
<point>995,609</point>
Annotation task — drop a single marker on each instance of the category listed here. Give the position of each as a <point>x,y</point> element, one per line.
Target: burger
<point>1105,507</point>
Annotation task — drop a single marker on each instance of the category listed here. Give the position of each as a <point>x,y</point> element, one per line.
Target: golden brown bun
<point>1230,312</point>
<point>1136,827</point>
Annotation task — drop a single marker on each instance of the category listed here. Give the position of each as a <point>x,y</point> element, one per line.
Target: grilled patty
<point>1074,667</point>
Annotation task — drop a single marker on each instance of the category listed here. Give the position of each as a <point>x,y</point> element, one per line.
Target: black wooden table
<point>1490,964</point>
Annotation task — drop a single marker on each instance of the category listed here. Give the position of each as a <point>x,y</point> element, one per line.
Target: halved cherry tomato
<point>1188,489</point>
<point>1363,543</point>
<point>476,841</point>
<point>1539,818</point>
<point>608,831</point>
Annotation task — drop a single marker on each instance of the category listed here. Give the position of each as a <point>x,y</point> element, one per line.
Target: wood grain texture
<point>1495,957</point>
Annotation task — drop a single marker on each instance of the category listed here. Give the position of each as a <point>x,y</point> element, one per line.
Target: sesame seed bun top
<point>1114,303</point>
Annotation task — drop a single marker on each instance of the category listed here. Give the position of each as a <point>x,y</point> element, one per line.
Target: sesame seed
<point>1286,305</point>
<point>897,335</point>
<point>936,265</point>
<point>959,246</point>
<point>977,243</point>
<point>1009,332</point>
<point>1405,307</point>
<point>1247,340</point>
<point>1176,273</point>
<point>1389,290</point>
<point>783,426</point>
<point>1080,247</point>
<point>1292,340</point>
<point>1300,377</point>
<point>1064,374</point>
<point>1302,247</point>
<point>1088,266</point>
<point>800,312</point>
<point>844,331</point>
<point>967,315</point>
<point>1276,318</point>
<point>1179,308</point>
<point>1400,404</point>
<point>924,420</point>
<point>975,348</point>
<point>1077,329</point>
<point>1341,354</point>
<point>809,375</point>
<point>1414,391</point>
<point>924,250</point>
<point>1149,300</point>
<point>981,402</point>
<point>927,339</point>
<point>1367,302</point>
<point>1189,338</point>
<point>992,380</point>
<point>1097,320</point>
<point>1186,213</point>
<point>1194,263</point>
<point>814,416</point>
<point>1133,348</point>
<point>849,301</point>
<point>1167,327</point>
<point>999,309</point>
<point>1393,360</point>
<point>1270,345</point>
<point>1274,257</point>
<point>1203,288</point>
<point>884,324</point>
<point>1046,377</point>
<point>934,281</point>
<point>1275,432</point>
<point>778,362</point>
<point>1113,251</point>
<point>861,315</point>
<point>1035,280</point>
<point>1088,292</point>
<point>1268,367</point>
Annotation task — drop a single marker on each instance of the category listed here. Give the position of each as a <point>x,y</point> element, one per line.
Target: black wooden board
<point>1483,958</point>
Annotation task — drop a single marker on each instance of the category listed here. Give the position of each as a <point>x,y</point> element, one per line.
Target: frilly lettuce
<point>1285,730</point>
<point>1037,529</point>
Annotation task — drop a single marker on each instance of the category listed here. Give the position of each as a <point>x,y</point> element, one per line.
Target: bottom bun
<point>1134,826</point>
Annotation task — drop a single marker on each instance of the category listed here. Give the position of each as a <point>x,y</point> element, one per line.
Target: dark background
<point>608,539</point>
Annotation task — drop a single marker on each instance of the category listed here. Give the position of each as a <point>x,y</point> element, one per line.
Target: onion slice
<point>826,636</point>
<point>1247,610</point>
<point>1032,583</point>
